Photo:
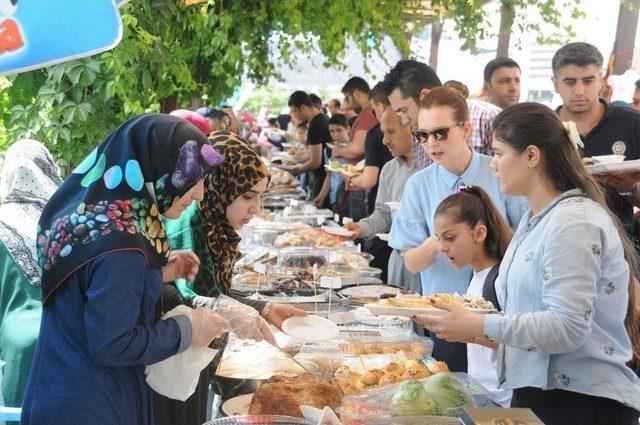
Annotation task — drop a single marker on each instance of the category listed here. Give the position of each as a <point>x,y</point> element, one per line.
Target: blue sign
<point>38,33</point>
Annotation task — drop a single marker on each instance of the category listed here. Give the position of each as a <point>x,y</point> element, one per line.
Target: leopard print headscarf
<point>241,170</point>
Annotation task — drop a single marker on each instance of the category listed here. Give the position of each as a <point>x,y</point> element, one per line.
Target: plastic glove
<point>205,326</point>
<point>245,321</point>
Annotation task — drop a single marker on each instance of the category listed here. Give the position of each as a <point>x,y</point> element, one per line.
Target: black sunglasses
<point>439,134</point>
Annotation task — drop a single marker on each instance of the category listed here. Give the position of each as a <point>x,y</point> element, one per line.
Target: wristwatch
<point>632,192</point>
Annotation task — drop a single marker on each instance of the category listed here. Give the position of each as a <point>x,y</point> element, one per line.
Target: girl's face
<point>458,240</point>
<point>247,205</point>
<point>196,193</point>
<point>447,138</point>
<point>512,169</point>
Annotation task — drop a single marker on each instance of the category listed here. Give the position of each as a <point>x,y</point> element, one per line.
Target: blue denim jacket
<point>563,283</point>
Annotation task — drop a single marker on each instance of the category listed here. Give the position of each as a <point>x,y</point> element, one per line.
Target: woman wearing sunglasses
<point>443,128</point>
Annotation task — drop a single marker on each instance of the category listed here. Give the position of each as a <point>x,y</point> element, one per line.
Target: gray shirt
<point>393,179</point>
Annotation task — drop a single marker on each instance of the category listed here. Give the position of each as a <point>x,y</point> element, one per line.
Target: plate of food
<point>409,305</point>
<point>365,294</point>
<point>286,167</point>
<point>613,167</point>
<point>352,170</point>
<point>334,166</point>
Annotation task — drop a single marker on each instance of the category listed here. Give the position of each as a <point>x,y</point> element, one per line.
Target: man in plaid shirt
<point>481,115</point>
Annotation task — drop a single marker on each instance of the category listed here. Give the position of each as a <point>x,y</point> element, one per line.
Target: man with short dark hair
<point>502,82</point>
<point>604,129</point>
<point>375,152</point>
<point>317,138</point>
<point>334,107</point>
<point>405,85</point>
<point>357,95</point>
<point>317,102</point>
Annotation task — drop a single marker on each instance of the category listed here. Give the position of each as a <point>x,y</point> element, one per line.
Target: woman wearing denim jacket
<point>570,322</point>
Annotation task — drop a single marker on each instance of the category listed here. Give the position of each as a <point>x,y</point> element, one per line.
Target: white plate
<point>333,170</point>
<point>384,236</point>
<point>310,329</point>
<point>369,290</point>
<point>628,166</point>
<point>377,309</point>
<point>338,231</point>
<point>237,405</point>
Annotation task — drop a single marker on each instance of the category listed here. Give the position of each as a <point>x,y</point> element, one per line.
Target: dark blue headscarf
<point>113,200</point>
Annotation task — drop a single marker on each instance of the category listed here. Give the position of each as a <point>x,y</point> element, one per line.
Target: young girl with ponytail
<point>566,283</point>
<point>471,231</point>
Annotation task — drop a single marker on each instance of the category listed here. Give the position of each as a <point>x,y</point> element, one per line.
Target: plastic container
<point>302,257</point>
<point>383,405</point>
<point>259,237</point>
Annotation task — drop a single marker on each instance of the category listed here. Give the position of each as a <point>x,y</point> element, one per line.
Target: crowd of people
<point>494,201</point>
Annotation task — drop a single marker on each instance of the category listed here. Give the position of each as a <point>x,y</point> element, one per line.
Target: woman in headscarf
<point>28,179</point>
<point>209,228</point>
<point>104,255</point>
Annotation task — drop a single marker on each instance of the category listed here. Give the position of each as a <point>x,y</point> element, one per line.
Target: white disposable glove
<point>245,321</point>
<point>205,326</point>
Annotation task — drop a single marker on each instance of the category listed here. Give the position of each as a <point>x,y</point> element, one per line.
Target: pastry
<point>437,367</point>
<point>282,395</point>
<point>389,378</point>
<point>372,377</point>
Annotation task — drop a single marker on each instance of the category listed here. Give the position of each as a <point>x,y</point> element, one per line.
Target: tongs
<point>296,361</point>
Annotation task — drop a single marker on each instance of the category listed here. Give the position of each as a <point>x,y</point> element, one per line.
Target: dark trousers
<point>352,204</point>
<point>453,353</point>
<point>381,252</point>
<point>560,407</point>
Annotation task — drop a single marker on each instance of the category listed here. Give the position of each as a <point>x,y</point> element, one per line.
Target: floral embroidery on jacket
<point>529,256</point>
<point>609,288</point>
<point>608,349</point>
<point>562,379</point>
<point>596,248</point>
<point>587,315</point>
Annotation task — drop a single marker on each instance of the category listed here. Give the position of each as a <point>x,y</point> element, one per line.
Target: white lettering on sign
<point>330,282</point>
<point>260,268</point>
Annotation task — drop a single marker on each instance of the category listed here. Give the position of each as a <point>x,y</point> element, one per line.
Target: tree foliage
<point>470,18</point>
<point>170,50</point>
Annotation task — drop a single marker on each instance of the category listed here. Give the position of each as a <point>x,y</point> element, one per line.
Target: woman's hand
<point>456,325</point>
<point>182,265</point>
<point>278,313</point>
<point>206,326</point>
<point>245,321</point>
